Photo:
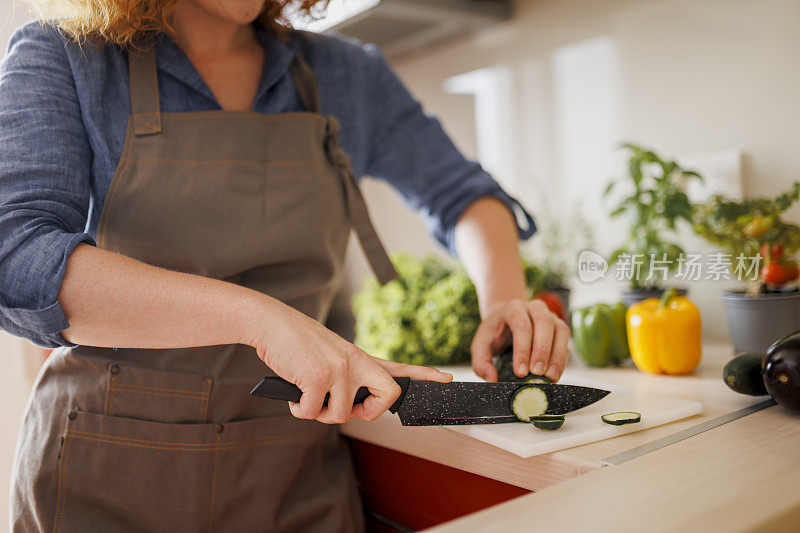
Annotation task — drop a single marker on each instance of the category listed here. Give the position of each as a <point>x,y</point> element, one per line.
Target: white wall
<point>681,76</point>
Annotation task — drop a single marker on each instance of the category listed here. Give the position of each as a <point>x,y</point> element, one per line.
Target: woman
<point>174,211</point>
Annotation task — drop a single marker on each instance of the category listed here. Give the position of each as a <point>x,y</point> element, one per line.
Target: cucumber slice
<point>528,401</point>
<point>538,379</point>
<point>622,418</point>
<point>547,422</point>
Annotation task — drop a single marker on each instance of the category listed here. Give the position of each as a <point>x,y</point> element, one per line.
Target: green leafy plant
<point>753,226</point>
<point>655,202</point>
<point>544,276</point>
<point>428,315</point>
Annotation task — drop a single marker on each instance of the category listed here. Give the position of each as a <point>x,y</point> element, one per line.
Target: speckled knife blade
<point>427,403</point>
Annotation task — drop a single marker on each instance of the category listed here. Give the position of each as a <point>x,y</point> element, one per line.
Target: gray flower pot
<point>633,296</point>
<point>756,321</point>
<point>564,294</point>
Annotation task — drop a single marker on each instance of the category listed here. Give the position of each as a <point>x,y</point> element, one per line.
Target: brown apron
<point>170,439</point>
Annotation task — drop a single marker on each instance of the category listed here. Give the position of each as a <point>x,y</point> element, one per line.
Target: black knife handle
<point>276,388</point>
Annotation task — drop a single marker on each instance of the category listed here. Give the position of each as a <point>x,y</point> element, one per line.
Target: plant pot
<point>755,322</point>
<point>633,296</point>
<point>563,293</point>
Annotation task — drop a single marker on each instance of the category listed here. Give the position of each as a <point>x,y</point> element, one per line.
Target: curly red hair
<point>126,22</point>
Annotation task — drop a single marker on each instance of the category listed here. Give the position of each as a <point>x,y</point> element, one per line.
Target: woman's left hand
<point>540,340</point>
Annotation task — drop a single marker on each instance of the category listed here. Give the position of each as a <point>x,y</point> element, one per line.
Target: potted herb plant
<point>550,257</point>
<point>654,203</point>
<point>544,280</point>
<point>752,230</point>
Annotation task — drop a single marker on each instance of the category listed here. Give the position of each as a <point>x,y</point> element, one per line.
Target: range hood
<point>402,26</point>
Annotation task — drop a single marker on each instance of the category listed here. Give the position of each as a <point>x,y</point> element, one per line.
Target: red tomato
<point>771,252</point>
<point>780,273</point>
<point>554,303</point>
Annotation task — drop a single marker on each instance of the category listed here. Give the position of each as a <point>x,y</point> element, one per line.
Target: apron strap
<point>359,215</point>
<point>145,105</point>
<point>305,82</point>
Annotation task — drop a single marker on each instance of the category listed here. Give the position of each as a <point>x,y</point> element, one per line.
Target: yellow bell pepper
<point>664,334</point>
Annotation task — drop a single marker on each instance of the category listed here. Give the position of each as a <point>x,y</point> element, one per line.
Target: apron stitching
<point>77,432</point>
<point>146,122</point>
<point>87,434</point>
<point>183,448</point>
<point>158,106</point>
<point>163,389</point>
<point>289,163</point>
<point>207,400</point>
<point>263,117</point>
<point>213,485</point>
<point>61,482</point>
<point>197,396</point>
<point>204,401</point>
<point>166,394</point>
<point>109,393</point>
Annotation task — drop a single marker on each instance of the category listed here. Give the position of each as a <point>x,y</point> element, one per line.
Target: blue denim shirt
<point>63,112</point>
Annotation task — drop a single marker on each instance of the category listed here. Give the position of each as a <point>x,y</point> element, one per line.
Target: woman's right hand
<point>304,352</point>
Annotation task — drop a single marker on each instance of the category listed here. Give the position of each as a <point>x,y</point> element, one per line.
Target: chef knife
<point>430,403</point>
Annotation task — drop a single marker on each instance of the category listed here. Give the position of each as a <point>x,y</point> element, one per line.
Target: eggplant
<point>781,370</point>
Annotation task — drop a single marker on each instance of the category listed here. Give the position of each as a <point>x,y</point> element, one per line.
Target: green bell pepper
<point>599,334</point>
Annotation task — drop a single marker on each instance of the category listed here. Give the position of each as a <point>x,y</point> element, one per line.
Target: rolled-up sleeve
<point>44,184</point>
<point>410,150</point>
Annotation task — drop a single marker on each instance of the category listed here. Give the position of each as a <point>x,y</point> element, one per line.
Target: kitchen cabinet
<point>402,492</point>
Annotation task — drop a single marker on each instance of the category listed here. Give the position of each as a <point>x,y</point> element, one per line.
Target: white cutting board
<point>584,425</point>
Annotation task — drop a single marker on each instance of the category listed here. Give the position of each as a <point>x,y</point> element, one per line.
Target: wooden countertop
<point>537,473</point>
<point>741,476</point>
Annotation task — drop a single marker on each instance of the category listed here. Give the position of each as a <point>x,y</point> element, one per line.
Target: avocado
<point>743,374</point>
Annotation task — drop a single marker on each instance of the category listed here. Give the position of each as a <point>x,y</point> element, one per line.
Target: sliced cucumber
<point>622,418</point>
<point>547,422</point>
<point>528,401</point>
<point>538,379</point>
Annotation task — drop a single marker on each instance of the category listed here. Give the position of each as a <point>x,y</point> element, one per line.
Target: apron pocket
<point>157,395</point>
<point>125,474</point>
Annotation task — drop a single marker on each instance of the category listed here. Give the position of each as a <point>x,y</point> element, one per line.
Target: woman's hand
<point>306,353</point>
<point>540,340</point>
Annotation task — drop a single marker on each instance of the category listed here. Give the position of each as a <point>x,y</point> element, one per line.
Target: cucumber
<point>547,422</point>
<point>528,401</point>
<point>622,418</point>
<point>504,363</point>
<point>743,374</point>
<point>533,378</point>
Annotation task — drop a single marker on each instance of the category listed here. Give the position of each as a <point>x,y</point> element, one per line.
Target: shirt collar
<point>172,61</point>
